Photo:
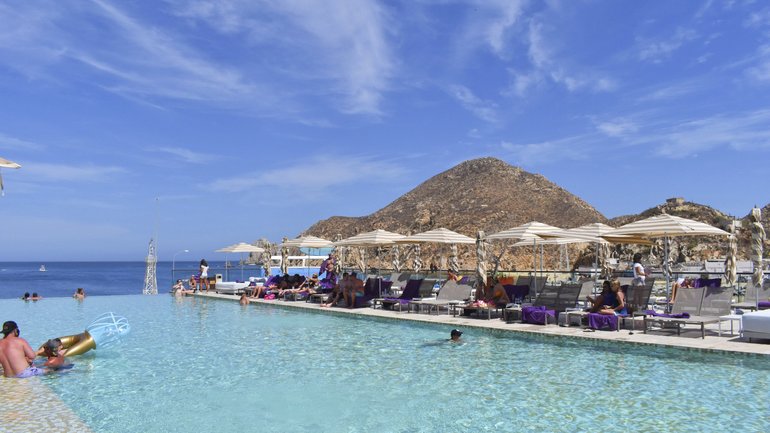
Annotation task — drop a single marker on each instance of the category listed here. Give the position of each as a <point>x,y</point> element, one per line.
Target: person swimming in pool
<point>455,335</point>
<point>16,355</point>
<point>53,354</point>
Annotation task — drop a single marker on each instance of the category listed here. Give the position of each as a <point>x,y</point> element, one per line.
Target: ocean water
<point>193,364</point>
<point>103,278</point>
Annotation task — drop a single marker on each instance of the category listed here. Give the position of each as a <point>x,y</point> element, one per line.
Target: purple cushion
<point>764,305</point>
<point>600,321</point>
<point>536,315</point>
<point>684,315</point>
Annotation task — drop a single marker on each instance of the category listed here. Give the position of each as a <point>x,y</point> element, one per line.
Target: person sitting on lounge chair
<point>354,288</point>
<point>613,301</point>
<point>334,296</point>
<point>682,282</point>
<point>492,295</point>
<point>598,302</point>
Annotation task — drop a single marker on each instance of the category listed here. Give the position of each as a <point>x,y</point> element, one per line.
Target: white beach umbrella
<point>534,232</point>
<point>371,239</point>
<point>241,247</point>
<point>757,248</point>
<point>665,226</point>
<point>438,236</point>
<point>4,163</point>
<point>307,242</point>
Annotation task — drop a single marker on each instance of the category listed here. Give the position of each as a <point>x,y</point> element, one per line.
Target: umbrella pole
<point>241,266</point>
<point>665,270</point>
<point>227,274</point>
<point>596,264</point>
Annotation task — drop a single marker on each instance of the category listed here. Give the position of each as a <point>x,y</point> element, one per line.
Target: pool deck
<point>690,338</point>
<point>30,406</point>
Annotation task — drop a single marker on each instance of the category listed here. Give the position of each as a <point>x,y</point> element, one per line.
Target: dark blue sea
<point>60,279</point>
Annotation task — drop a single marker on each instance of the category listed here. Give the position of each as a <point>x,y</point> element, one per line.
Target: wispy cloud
<point>617,127</point>
<point>14,143</point>
<point>658,50</point>
<point>186,155</point>
<point>305,177</point>
<point>760,70</point>
<point>549,151</point>
<point>484,110</point>
<point>344,42</point>
<point>71,172</point>
<point>546,67</point>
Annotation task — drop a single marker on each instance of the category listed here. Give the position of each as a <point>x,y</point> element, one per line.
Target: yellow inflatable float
<point>105,331</point>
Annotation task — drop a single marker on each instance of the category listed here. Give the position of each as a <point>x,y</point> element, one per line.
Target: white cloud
<point>617,127</point>
<point>186,155</point>
<point>13,143</point>
<point>71,172</point>
<point>551,151</point>
<point>345,42</point>
<point>658,50</point>
<point>484,110</point>
<point>760,70</point>
<point>312,177</point>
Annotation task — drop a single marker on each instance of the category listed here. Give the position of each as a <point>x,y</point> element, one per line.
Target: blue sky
<point>227,121</point>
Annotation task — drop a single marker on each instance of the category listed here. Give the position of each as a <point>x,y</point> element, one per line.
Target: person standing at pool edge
<point>639,273</point>
<point>16,355</point>
<point>203,279</point>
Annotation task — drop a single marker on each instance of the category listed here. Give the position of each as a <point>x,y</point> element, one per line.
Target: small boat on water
<point>42,268</point>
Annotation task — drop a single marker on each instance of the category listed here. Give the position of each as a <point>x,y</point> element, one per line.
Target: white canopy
<point>308,242</point>
<point>439,236</point>
<point>532,230</point>
<point>373,238</point>
<point>667,225</point>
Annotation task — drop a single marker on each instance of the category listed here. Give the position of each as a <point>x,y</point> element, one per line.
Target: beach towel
<point>654,313</point>
<point>601,321</point>
<point>536,315</point>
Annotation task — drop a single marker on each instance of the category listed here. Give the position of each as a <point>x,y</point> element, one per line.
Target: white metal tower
<point>150,276</point>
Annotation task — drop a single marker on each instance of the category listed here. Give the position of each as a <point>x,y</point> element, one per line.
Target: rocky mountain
<point>481,194</point>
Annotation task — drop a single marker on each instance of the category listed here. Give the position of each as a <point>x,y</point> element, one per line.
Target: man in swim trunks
<point>16,355</point>
<point>355,287</point>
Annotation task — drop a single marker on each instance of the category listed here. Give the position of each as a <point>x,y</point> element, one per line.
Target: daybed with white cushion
<point>230,287</point>
<point>756,324</point>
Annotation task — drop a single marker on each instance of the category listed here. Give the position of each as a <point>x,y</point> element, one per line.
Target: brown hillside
<point>481,194</point>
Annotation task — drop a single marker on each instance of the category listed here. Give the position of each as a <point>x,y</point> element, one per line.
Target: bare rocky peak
<point>480,194</point>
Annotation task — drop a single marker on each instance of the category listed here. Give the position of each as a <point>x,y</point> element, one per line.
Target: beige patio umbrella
<point>4,163</point>
<point>757,248</point>
<point>437,236</point>
<point>731,262</point>
<point>666,226</point>
<point>375,238</point>
<point>241,247</point>
<point>305,242</point>
<point>533,232</point>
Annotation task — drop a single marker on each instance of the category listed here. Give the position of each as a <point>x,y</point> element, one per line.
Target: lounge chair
<point>545,302</point>
<point>516,294</point>
<point>714,303</point>
<point>231,287</point>
<point>372,289</point>
<point>752,296</point>
<point>410,292</point>
<point>451,292</point>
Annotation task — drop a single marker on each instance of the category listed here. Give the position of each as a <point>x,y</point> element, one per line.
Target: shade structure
<point>731,262</point>
<point>599,233</point>
<point>454,266</point>
<point>439,236</point>
<point>307,242</point>
<point>665,226</point>
<point>416,260</point>
<point>241,247</point>
<point>4,163</point>
<point>373,238</point>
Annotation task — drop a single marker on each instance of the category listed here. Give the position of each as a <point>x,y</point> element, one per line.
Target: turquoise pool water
<point>212,365</point>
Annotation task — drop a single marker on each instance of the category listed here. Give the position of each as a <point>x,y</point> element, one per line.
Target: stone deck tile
<point>690,339</point>
<point>30,406</point>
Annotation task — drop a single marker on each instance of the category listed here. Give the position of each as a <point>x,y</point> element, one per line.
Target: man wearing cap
<point>16,355</point>
<point>454,336</point>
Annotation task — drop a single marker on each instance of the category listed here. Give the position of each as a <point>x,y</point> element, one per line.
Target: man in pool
<point>455,335</point>
<point>16,355</point>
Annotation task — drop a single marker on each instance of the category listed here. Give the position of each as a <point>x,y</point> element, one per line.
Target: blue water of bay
<point>60,279</point>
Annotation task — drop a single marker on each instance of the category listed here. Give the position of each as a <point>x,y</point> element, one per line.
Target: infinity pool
<point>211,365</point>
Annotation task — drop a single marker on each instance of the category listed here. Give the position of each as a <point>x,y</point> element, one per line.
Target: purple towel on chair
<point>673,316</point>
<point>763,305</point>
<point>599,321</point>
<point>536,315</point>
